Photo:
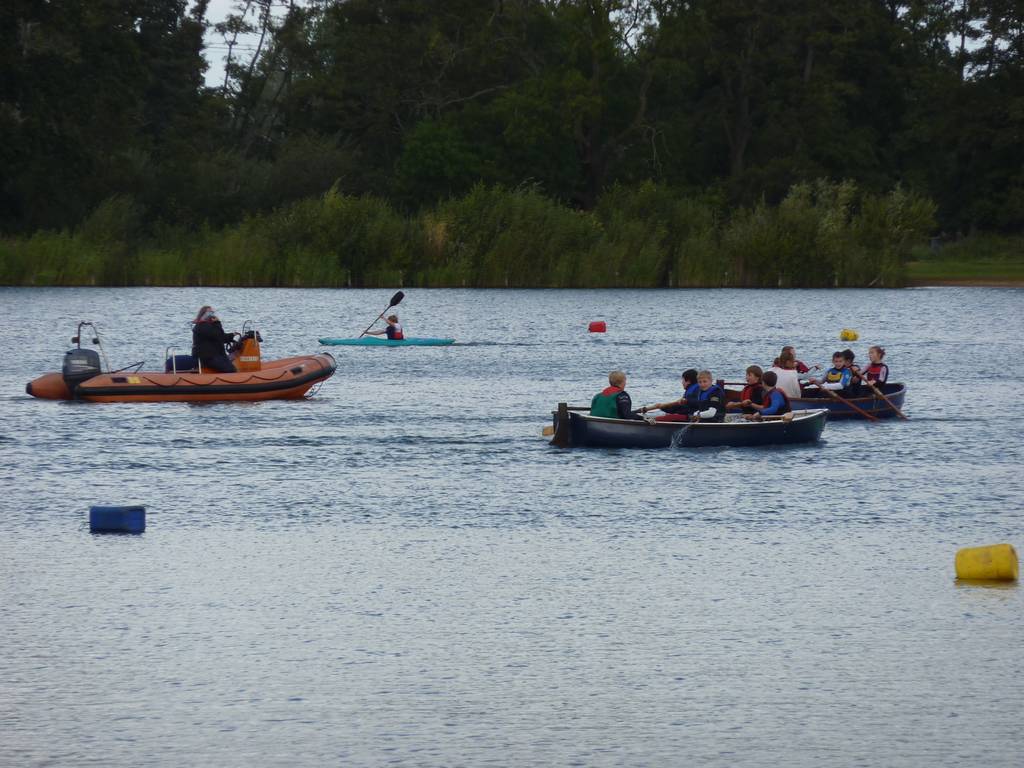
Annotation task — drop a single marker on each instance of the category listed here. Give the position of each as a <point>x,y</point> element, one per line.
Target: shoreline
<point>955,282</point>
<point>935,282</point>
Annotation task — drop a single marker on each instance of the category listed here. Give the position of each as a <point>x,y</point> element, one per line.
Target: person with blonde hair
<point>709,404</point>
<point>877,373</point>
<point>613,402</point>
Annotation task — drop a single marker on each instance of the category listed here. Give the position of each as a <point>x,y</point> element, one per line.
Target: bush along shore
<point>822,234</point>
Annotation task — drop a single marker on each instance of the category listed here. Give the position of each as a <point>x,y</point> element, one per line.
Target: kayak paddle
<point>395,301</point>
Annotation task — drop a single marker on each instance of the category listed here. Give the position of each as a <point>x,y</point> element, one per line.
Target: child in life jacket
<point>774,403</point>
<point>752,393</point>
<point>613,402</point>
<point>838,377</point>
<point>877,373</point>
<point>393,330</point>
<point>679,410</point>
<point>710,402</point>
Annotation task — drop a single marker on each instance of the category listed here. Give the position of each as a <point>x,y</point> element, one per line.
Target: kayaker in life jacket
<point>613,402</point>
<point>393,330</point>
<point>752,393</point>
<point>208,340</point>
<point>838,377</point>
<point>774,403</point>
<point>710,402</point>
<point>679,410</point>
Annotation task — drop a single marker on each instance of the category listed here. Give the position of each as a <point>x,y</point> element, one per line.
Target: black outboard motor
<point>81,364</point>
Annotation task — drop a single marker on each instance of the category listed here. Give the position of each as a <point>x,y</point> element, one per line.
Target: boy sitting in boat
<point>613,402</point>
<point>848,357</point>
<point>752,393</point>
<point>774,402</point>
<point>679,410</point>
<point>393,330</point>
<point>838,377</point>
<point>710,402</point>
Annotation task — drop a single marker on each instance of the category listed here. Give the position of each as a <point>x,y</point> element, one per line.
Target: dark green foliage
<point>821,234</point>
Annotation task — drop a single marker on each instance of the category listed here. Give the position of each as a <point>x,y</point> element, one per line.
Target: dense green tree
<point>90,88</point>
<point>418,102</point>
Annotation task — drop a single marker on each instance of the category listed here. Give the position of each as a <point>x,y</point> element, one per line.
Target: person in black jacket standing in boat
<point>208,340</point>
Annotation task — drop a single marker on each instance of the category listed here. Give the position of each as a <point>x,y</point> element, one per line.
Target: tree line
<point>874,115</point>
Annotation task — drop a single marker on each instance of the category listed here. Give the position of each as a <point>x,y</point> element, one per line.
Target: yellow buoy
<point>996,562</point>
<point>848,334</point>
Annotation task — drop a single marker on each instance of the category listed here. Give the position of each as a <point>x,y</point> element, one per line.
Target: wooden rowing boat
<point>813,399</point>
<point>574,429</point>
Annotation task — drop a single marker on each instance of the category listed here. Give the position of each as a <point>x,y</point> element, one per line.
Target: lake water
<point>400,571</point>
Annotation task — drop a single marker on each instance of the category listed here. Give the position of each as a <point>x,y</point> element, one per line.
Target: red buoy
<point>597,326</point>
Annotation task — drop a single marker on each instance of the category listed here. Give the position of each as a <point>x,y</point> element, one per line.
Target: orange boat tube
<point>287,379</point>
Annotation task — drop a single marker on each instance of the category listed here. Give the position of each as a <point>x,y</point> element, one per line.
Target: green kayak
<point>378,341</point>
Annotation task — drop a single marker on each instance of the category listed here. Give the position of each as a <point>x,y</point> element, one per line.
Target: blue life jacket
<point>839,375</point>
<point>707,394</point>
<point>776,403</point>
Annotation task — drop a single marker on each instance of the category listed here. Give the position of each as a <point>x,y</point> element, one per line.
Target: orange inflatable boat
<point>83,377</point>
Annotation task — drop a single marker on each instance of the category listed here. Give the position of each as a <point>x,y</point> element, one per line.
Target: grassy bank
<point>820,235</point>
<point>975,260</point>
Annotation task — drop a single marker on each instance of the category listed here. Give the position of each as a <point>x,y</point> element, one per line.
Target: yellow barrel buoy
<point>996,562</point>
<point>848,334</point>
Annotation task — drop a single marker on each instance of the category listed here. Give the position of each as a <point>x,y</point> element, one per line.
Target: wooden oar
<point>395,301</point>
<point>880,394</point>
<point>892,405</point>
<point>784,417</point>
<point>846,402</point>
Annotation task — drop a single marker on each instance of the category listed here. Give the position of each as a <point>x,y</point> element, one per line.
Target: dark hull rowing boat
<point>814,398</point>
<point>581,430</point>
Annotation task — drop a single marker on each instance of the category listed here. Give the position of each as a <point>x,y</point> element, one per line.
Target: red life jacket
<point>749,391</point>
<point>395,332</point>
<point>876,372</point>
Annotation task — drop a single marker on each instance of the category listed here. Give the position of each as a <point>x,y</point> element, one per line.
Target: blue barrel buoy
<point>117,519</point>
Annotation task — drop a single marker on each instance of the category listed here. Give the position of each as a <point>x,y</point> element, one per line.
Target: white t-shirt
<point>789,381</point>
